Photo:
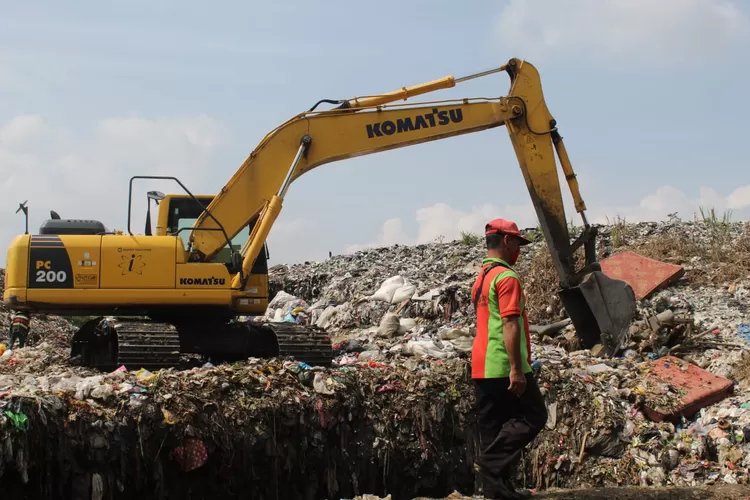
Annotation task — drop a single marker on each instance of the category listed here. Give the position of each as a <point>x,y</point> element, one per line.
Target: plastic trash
<point>394,290</point>
<point>19,420</point>
<point>389,325</point>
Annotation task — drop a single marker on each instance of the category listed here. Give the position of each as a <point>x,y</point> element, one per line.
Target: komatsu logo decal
<point>202,281</point>
<point>429,120</point>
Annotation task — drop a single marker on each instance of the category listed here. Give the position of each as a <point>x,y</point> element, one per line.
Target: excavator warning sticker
<point>86,262</point>
<point>86,279</point>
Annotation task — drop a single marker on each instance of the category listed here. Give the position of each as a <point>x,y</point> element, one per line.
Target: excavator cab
<point>177,216</point>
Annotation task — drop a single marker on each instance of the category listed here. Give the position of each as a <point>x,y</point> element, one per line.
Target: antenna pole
<point>25,209</point>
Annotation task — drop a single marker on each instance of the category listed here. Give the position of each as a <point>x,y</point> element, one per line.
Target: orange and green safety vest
<point>20,319</point>
<point>501,296</point>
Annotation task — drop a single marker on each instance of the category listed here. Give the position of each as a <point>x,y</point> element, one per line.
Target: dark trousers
<point>507,423</point>
<point>17,332</point>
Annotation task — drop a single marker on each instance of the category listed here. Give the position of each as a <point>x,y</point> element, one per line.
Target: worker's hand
<point>517,382</point>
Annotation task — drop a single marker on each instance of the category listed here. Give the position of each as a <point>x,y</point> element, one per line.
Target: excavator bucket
<point>601,309</point>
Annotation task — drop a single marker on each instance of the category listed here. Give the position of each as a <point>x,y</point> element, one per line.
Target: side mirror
<point>157,196</point>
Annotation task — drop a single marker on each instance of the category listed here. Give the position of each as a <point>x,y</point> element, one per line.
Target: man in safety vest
<point>510,407</point>
<point>20,324</point>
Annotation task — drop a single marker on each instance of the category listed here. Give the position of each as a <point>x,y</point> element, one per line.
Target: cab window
<point>225,254</point>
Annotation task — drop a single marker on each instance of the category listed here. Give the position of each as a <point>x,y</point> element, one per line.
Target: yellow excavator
<point>180,290</point>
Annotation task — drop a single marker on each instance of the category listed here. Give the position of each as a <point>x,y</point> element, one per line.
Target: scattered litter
<point>644,275</point>
<point>695,388</point>
<point>397,397</point>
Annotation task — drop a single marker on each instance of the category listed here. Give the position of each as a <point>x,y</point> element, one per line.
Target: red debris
<point>644,275</point>
<point>701,387</point>
<point>389,387</point>
<point>192,455</point>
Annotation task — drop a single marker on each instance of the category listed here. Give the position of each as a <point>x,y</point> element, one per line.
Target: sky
<point>649,95</point>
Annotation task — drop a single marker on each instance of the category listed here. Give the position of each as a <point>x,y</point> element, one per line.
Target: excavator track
<point>107,343</point>
<point>143,344</point>
<point>308,344</point>
<point>238,341</point>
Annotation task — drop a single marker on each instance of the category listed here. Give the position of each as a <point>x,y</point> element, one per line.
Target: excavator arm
<point>366,125</point>
<point>601,307</point>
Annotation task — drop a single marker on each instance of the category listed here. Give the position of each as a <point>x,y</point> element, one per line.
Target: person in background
<point>19,328</point>
<point>511,409</point>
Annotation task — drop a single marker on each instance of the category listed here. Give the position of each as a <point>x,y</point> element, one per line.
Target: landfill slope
<point>395,414</point>
<point>442,273</point>
<point>597,434</point>
<point>719,492</point>
<point>252,429</point>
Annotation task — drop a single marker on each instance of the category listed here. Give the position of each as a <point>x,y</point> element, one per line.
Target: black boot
<point>494,488</point>
<point>517,492</point>
<point>508,483</point>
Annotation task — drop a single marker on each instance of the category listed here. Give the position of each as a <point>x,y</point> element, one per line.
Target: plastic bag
<point>407,324</point>
<point>281,300</point>
<point>389,325</point>
<point>394,290</point>
<point>20,420</point>
<point>429,349</point>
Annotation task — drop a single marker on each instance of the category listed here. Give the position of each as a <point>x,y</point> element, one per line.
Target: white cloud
<point>162,145</point>
<point>86,175</point>
<point>668,200</point>
<point>442,220</point>
<point>622,31</point>
<point>392,233</point>
<point>19,131</point>
<point>740,198</point>
<point>665,198</point>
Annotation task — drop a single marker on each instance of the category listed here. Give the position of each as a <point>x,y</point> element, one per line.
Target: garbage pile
<point>396,409</point>
<point>599,433</point>
<point>358,289</point>
<point>391,303</point>
<point>53,330</point>
<point>265,428</point>
<point>713,252</point>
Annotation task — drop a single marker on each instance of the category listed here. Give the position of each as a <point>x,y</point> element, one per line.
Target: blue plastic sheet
<point>744,332</point>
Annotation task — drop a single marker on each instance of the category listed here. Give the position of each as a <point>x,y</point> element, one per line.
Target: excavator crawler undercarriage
<point>107,343</point>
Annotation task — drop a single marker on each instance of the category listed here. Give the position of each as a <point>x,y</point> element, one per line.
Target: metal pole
<point>25,209</point>
<point>481,74</point>
<point>305,143</point>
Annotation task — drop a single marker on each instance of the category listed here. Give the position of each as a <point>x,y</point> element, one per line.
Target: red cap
<point>503,226</point>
